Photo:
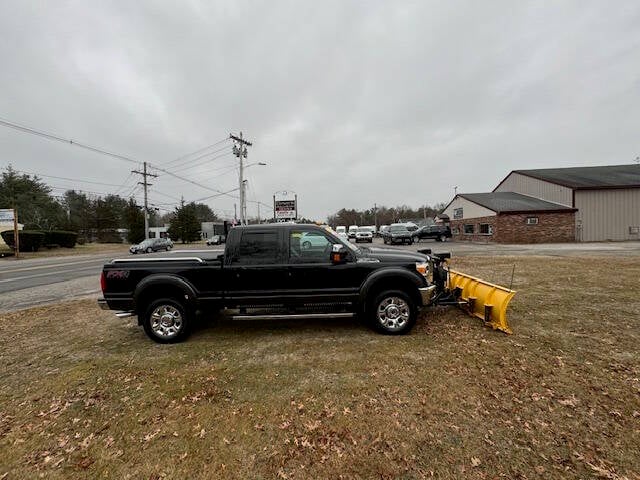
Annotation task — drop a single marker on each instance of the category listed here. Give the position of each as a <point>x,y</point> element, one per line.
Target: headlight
<point>422,268</point>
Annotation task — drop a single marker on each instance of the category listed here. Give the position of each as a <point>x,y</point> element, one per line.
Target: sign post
<point>16,237</point>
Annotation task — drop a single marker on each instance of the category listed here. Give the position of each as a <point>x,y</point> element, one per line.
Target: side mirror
<point>338,254</point>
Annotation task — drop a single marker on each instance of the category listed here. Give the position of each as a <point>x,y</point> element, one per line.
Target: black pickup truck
<point>270,271</point>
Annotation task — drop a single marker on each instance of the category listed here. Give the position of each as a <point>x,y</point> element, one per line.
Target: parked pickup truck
<point>270,271</point>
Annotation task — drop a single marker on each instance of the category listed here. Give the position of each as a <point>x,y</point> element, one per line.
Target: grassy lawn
<point>85,395</point>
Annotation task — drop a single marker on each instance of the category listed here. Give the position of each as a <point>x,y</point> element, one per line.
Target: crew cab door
<point>311,277</point>
<point>255,269</point>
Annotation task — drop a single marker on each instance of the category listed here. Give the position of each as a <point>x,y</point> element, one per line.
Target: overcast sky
<point>349,103</point>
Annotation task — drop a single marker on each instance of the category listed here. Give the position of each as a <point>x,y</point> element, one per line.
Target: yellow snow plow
<point>477,297</point>
<point>482,299</point>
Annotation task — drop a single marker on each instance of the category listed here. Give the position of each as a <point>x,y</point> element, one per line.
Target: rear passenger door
<point>255,270</point>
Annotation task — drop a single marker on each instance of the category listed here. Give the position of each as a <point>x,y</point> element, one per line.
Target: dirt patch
<point>84,394</point>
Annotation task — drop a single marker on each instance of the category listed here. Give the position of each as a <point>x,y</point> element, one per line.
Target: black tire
<point>149,250</point>
<point>392,312</point>
<point>371,240</point>
<point>153,321</point>
<point>442,238</point>
<point>411,242</point>
<point>168,247</point>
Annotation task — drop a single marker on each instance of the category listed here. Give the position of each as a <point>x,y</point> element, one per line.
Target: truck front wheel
<point>166,321</point>
<point>393,312</point>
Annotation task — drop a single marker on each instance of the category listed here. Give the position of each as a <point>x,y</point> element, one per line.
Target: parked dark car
<point>152,245</point>
<point>397,233</point>
<point>439,233</point>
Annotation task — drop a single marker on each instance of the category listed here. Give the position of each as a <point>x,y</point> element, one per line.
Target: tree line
<point>384,215</point>
<point>93,217</point>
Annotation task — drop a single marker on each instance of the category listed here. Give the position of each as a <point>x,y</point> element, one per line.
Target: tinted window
<point>309,247</point>
<point>257,248</point>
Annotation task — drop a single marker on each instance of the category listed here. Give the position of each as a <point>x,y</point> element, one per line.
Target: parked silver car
<point>152,245</point>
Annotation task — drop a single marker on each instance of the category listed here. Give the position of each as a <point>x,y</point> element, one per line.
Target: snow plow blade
<point>482,299</point>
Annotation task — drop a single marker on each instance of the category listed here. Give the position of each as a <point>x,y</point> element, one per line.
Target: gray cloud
<point>349,103</point>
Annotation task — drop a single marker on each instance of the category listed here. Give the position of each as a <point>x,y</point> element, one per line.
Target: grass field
<point>85,395</point>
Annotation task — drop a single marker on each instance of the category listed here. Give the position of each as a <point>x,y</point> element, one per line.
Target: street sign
<point>6,215</point>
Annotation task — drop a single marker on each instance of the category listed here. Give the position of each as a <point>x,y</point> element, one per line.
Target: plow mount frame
<point>474,296</point>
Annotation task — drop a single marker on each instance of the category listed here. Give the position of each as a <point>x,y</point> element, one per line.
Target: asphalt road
<point>17,274</point>
<point>25,283</point>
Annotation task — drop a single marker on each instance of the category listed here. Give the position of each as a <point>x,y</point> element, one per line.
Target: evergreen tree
<point>134,221</point>
<point>185,225</point>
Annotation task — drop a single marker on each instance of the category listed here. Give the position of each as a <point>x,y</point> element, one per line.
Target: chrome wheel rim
<point>393,313</point>
<point>166,321</point>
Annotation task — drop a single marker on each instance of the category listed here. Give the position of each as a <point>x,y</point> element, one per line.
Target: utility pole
<point>375,215</point>
<point>240,151</point>
<point>235,214</point>
<point>146,206</point>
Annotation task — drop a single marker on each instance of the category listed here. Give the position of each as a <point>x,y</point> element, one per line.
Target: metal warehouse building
<point>607,199</point>
<point>586,204</point>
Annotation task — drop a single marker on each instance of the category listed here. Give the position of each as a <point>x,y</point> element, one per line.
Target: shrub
<point>109,236</point>
<point>60,237</point>
<point>30,241</point>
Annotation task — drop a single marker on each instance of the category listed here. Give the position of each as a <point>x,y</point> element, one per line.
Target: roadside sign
<point>285,209</point>
<point>6,215</point>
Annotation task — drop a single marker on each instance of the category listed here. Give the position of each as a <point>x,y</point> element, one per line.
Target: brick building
<point>509,217</point>
<point>606,198</point>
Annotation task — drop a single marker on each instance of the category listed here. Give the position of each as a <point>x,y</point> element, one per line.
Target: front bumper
<point>427,294</point>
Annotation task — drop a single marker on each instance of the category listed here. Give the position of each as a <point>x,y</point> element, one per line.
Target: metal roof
<point>609,176</point>
<point>503,202</point>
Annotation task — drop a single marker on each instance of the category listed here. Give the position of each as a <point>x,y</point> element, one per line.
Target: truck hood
<point>392,255</point>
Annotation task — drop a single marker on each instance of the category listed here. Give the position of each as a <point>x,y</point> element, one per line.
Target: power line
<point>79,190</point>
<point>195,153</point>
<point>57,138</point>
<point>70,179</point>
<point>190,181</point>
<point>199,157</point>
<point>202,163</point>
<point>218,195</point>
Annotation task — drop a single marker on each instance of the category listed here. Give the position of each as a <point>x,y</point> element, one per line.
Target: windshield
<point>348,244</point>
<point>398,229</point>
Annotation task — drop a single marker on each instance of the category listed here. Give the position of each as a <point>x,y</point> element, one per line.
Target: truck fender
<point>392,277</point>
<point>165,281</point>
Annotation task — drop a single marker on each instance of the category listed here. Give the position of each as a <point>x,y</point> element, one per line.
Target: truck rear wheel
<point>393,312</point>
<point>166,321</point>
